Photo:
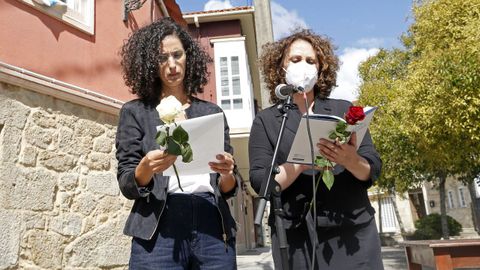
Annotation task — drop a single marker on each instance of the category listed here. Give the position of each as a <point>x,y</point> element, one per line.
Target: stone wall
<point>60,206</point>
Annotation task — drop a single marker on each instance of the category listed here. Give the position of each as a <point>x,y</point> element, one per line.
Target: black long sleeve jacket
<point>135,138</point>
<point>346,203</point>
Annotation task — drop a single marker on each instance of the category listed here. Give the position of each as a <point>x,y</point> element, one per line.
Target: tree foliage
<point>382,76</point>
<point>428,125</point>
<point>428,94</point>
<point>442,87</point>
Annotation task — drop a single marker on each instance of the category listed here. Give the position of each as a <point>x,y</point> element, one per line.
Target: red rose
<point>354,114</point>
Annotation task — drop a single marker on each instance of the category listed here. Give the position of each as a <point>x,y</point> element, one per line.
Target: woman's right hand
<point>153,162</point>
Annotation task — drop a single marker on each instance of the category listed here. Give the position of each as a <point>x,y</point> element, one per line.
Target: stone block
<point>102,183</point>
<point>103,144</point>
<point>44,119</point>
<point>13,113</point>
<point>10,140</point>
<point>9,239</point>
<point>103,247</point>
<point>63,201</point>
<point>98,161</point>
<point>33,220</point>
<point>84,203</point>
<point>68,224</point>
<point>44,248</point>
<point>31,189</point>
<point>7,181</point>
<point>28,156</point>
<point>38,136</point>
<point>88,128</point>
<point>71,144</point>
<point>109,204</point>
<point>67,120</point>
<point>68,181</point>
<point>56,161</point>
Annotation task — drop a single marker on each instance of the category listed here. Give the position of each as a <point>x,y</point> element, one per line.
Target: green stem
<point>178,178</point>
<point>174,167</point>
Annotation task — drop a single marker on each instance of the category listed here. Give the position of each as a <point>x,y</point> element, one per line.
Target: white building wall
<point>462,214</point>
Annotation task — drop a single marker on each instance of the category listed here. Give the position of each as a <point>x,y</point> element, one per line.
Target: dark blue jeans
<point>189,236</point>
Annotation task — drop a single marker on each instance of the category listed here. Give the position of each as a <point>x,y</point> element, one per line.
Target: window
<point>450,200</point>
<point>77,13</point>
<point>388,218</point>
<point>234,90</point>
<point>461,197</point>
<point>230,83</point>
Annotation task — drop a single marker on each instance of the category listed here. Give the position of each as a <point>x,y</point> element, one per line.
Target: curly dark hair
<point>140,60</point>
<point>274,53</point>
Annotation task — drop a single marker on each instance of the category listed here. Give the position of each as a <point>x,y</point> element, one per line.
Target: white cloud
<point>348,80</point>
<point>284,21</point>
<point>217,5</point>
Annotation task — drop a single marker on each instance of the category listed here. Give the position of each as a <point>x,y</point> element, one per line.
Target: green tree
<point>429,94</point>
<point>381,75</point>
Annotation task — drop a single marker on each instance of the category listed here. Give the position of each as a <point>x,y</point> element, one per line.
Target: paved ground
<point>261,259</point>
<point>394,258</point>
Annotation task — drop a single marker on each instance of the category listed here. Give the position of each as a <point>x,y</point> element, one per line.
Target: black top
<point>135,138</point>
<point>346,203</point>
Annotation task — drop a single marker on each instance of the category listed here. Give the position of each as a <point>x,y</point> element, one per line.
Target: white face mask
<point>301,74</point>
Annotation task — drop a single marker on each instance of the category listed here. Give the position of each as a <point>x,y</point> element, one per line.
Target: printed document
<point>206,137</point>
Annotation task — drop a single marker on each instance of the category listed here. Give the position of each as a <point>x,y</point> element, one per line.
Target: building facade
<point>461,204</point>
<point>60,92</point>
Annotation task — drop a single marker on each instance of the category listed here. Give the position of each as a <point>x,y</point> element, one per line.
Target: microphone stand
<point>271,190</point>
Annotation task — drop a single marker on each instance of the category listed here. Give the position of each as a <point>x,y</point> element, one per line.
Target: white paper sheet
<point>206,137</point>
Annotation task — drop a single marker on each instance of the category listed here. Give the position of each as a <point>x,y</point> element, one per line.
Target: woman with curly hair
<point>172,228</point>
<point>345,236</point>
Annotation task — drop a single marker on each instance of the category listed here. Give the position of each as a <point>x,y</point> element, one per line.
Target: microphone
<point>282,91</point>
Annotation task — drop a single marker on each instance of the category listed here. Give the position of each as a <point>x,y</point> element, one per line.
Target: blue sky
<point>358,28</point>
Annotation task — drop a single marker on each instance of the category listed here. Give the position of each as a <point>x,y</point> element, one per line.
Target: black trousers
<point>341,248</point>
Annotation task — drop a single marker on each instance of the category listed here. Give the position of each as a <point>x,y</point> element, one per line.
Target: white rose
<point>168,109</point>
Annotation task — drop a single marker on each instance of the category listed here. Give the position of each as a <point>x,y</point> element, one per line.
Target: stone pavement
<point>261,259</point>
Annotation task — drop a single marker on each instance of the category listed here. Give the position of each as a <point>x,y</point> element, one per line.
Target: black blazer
<point>346,203</point>
<point>135,138</point>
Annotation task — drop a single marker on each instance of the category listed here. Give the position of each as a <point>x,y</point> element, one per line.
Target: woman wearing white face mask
<point>347,234</point>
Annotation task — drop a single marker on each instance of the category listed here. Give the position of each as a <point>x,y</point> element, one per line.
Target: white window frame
<point>231,95</point>
<point>240,120</point>
<point>72,14</point>
<point>462,201</point>
<point>450,202</point>
<point>388,219</point>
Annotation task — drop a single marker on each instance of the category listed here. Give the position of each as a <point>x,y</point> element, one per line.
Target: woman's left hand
<point>342,154</point>
<point>224,165</point>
